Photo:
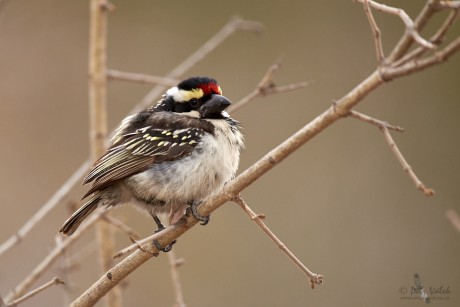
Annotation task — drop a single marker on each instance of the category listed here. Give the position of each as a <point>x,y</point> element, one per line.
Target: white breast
<point>212,164</point>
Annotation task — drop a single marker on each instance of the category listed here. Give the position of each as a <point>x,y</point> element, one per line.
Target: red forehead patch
<point>210,88</point>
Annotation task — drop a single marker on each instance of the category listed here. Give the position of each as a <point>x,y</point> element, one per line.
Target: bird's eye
<point>194,103</point>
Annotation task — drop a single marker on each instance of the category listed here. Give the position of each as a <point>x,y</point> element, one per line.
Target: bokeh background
<point>342,203</point>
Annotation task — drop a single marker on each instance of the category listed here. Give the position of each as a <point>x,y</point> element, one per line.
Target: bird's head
<point>199,97</point>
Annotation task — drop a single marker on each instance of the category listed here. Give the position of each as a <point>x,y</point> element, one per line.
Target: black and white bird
<point>168,157</point>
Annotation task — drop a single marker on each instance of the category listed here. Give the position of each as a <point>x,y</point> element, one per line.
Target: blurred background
<point>342,203</point>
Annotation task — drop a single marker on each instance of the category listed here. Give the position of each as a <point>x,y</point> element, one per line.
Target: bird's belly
<point>194,177</point>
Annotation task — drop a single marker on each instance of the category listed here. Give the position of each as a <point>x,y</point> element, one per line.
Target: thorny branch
<point>315,279</point>
<point>339,110</point>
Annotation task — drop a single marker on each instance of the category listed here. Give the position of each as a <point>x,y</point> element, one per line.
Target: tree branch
<point>315,279</point>
<point>54,281</point>
<point>453,218</point>
<point>98,124</point>
<point>113,74</point>
<point>376,31</point>
<point>266,87</point>
<point>173,265</point>
<point>383,126</point>
<point>41,268</point>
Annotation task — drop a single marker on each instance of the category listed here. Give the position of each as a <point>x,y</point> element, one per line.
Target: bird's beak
<point>215,105</point>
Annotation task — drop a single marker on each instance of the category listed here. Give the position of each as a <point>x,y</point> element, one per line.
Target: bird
<point>168,157</point>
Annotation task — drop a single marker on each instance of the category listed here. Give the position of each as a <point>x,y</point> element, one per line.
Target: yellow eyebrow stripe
<point>195,93</point>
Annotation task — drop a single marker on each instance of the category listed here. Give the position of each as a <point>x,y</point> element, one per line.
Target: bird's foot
<point>193,209</point>
<point>165,249</point>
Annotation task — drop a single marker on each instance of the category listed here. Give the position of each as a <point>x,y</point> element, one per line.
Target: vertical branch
<point>98,123</point>
<point>174,263</point>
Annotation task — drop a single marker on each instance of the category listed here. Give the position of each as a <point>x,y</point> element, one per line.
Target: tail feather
<point>79,216</point>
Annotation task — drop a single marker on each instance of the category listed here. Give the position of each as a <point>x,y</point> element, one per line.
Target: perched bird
<point>168,157</point>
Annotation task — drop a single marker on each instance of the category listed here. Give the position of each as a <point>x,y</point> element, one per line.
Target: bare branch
<point>407,168</point>
<point>410,26</point>
<point>113,74</point>
<point>99,10</point>
<point>407,40</point>
<point>315,279</point>
<point>376,31</point>
<point>377,122</point>
<point>266,87</point>
<point>57,197</point>
<point>173,265</point>
<point>136,245</point>
<point>41,268</point>
<point>384,126</point>
<point>454,218</point>
<point>121,226</point>
<point>388,73</point>
<point>54,281</point>
<point>437,39</point>
<point>448,5</point>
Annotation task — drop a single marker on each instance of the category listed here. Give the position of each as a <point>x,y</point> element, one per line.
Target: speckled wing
<point>139,150</point>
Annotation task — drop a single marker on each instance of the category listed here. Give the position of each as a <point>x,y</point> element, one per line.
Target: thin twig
<point>384,127</point>
<point>448,5</point>
<point>437,39</point>
<point>57,197</point>
<point>113,74</point>
<point>407,40</point>
<point>376,31</point>
<point>266,87</point>
<point>54,281</point>
<point>121,226</point>
<point>410,27</point>
<point>174,263</point>
<point>46,263</point>
<point>454,218</point>
<point>315,279</point>
<point>374,121</point>
<point>388,73</point>
<point>137,244</point>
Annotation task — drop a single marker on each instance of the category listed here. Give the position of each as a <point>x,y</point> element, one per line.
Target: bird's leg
<point>168,247</point>
<point>192,208</point>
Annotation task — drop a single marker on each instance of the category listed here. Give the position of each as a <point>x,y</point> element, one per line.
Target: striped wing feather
<point>139,150</point>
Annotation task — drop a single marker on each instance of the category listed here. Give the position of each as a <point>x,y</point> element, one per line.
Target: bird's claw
<point>165,249</point>
<point>193,209</point>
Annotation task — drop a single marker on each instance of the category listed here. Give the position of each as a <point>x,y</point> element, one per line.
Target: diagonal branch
<point>266,87</point>
<point>384,127</point>
<point>41,268</point>
<point>376,31</point>
<point>315,279</point>
<point>411,29</point>
<point>453,218</point>
<point>113,74</point>
<point>54,281</point>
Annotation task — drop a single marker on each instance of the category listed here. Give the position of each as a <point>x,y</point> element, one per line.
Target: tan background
<point>342,203</point>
